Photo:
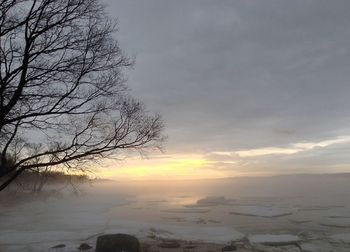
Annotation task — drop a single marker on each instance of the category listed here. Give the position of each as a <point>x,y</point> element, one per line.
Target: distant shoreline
<point>344,174</point>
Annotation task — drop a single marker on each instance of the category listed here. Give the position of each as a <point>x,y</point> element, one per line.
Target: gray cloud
<point>231,75</point>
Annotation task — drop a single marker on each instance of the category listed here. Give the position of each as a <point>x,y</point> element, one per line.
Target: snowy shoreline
<point>302,219</point>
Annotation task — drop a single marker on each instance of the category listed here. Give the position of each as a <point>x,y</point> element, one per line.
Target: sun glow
<point>202,166</point>
<point>156,168</point>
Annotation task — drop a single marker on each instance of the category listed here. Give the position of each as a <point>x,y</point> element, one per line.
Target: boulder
<point>84,246</point>
<point>117,243</point>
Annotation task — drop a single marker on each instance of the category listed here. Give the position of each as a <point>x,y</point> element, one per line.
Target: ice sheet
<point>261,211</point>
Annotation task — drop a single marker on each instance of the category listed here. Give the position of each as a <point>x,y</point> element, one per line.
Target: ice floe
<point>261,211</point>
<point>202,233</point>
<point>338,216</point>
<point>287,248</point>
<point>299,220</point>
<point>317,246</point>
<point>212,201</point>
<point>186,210</point>
<point>319,208</point>
<point>273,239</point>
<point>196,220</point>
<point>336,222</point>
<point>340,238</point>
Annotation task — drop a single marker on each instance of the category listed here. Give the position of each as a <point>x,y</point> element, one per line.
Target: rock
<point>229,248</point>
<point>146,247</point>
<point>84,246</point>
<point>117,243</point>
<point>169,244</point>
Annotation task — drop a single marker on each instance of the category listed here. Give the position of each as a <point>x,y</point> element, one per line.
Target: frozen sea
<point>314,210</point>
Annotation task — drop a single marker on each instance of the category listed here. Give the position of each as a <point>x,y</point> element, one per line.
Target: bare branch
<point>63,91</point>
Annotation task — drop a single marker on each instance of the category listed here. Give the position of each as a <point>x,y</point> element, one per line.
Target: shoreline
<point>200,217</point>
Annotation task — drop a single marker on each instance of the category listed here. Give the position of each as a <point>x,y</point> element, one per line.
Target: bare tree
<point>63,99</point>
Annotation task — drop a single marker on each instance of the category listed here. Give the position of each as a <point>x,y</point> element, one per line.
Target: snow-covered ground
<point>312,211</point>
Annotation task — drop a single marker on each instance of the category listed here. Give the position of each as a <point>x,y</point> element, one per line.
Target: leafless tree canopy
<point>63,99</point>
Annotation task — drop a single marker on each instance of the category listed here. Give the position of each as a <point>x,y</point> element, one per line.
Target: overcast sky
<point>252,85</point>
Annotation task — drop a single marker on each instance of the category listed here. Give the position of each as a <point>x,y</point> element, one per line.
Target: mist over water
<point>208,210</point>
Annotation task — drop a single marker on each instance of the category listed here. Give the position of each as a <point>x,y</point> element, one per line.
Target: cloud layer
<point>245,77</point>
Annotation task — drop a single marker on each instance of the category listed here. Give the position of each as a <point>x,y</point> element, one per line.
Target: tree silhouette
<point>63,98</point>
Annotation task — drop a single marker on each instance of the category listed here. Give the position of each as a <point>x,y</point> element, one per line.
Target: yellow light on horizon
<point>177,167</point>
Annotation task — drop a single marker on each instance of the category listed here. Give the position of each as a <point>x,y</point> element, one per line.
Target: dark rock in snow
<point>84,246</point>
<point>117,243</point>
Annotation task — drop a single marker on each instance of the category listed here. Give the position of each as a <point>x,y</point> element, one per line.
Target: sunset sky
<point>244,87</point>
